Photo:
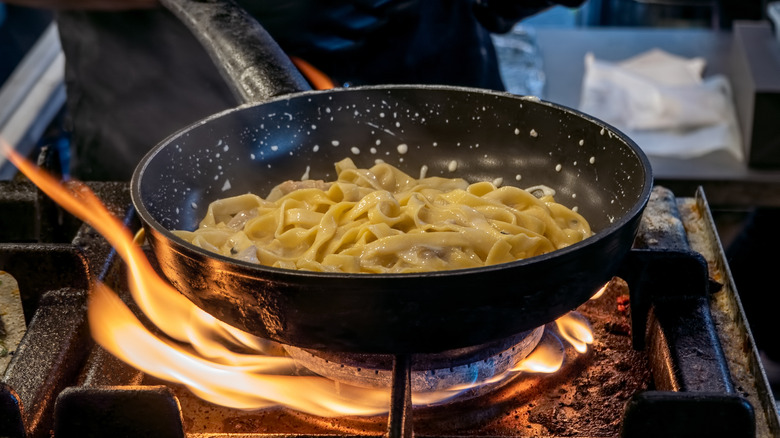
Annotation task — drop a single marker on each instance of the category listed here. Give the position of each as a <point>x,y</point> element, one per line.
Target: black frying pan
<point>299,132</point>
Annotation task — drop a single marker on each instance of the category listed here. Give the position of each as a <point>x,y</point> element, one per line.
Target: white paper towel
<point>662,102</point>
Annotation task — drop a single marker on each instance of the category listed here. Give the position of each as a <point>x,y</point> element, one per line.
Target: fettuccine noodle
<point>381,220</point>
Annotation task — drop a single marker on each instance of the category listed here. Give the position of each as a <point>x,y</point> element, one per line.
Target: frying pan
<point>286,131</point>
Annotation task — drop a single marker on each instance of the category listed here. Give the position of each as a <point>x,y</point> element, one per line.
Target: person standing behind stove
<point>135,74</point>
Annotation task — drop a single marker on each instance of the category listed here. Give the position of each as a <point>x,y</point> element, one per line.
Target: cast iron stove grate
<point>59,382</point>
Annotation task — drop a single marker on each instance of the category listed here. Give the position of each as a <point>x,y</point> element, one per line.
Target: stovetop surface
<point>586,398</point>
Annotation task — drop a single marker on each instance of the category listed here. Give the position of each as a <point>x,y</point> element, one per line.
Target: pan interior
<point>435,131</point>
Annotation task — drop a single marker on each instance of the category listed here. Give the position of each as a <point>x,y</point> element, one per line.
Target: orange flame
<point>208,367</point>
<point>576,330</point>
<point>600,292</point>
<point>318,79</point>
<point>547,357</point>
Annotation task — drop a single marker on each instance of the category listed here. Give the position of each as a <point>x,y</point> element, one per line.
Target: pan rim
<point>636,209</point>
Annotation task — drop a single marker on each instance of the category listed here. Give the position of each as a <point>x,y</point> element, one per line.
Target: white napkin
<point>662,103</point>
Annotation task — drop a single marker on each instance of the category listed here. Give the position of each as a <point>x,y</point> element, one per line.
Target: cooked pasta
<point>381,220</point>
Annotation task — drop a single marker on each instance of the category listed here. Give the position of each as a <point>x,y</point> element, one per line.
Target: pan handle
<point>251,62</point>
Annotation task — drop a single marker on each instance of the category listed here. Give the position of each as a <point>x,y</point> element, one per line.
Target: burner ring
<point>430,372</point>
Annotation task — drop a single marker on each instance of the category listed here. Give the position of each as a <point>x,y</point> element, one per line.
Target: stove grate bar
<point>653,414</point>
<point>49,357</point>
<point>42,267</point>
<point>84,412</point>
<point>400,423</point>
<point>670,286</point>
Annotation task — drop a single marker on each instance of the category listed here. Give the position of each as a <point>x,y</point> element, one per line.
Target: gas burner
<point>467,367</point>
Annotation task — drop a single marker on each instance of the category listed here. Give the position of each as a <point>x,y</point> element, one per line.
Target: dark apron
<point>135,77</point>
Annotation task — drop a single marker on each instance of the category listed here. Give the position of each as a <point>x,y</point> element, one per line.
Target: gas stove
<point>672,356</point>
